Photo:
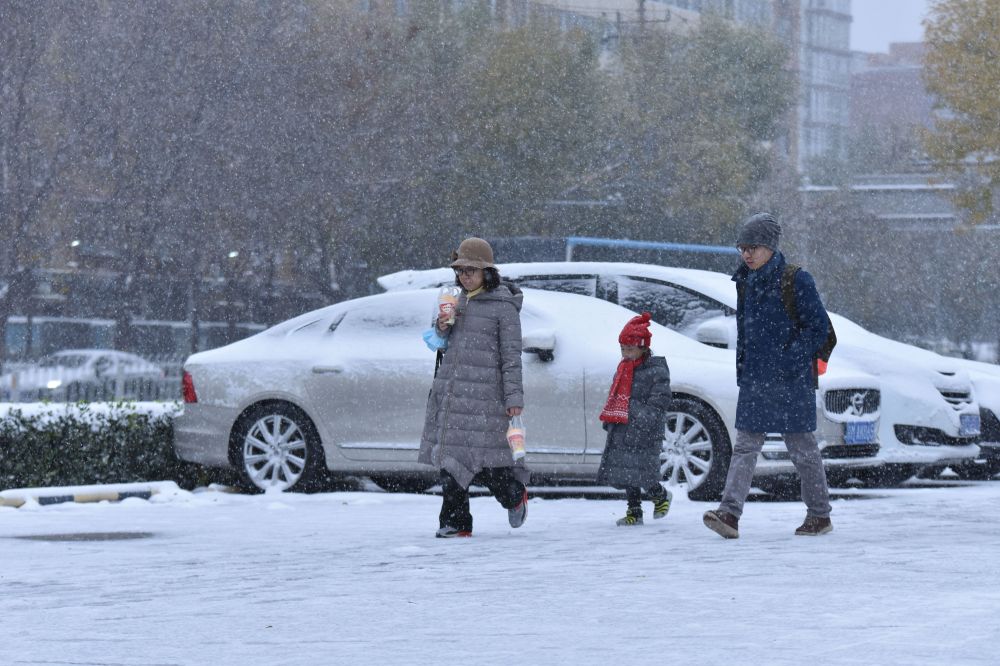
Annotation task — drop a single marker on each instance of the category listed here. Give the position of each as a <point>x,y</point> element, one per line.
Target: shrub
<point>64,445</point>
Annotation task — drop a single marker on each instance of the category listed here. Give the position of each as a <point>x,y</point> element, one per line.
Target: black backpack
<point>792,310</point>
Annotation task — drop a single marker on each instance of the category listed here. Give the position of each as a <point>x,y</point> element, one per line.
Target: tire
<point>696,449</point>
<point>785,488</point>
<point>887,476</point>
<point>978,470</point>
<point>404,484</point>
<point>276,446</point>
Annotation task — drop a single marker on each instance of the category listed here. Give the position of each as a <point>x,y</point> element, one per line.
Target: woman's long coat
<point>465,428</point>
<point>774,359</point>
<point>632,452</point>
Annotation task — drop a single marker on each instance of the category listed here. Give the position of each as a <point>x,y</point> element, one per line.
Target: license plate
<point>859,432</point>
<point>969,425</point>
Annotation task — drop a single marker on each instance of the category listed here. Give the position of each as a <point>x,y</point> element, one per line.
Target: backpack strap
<point>788,293</point>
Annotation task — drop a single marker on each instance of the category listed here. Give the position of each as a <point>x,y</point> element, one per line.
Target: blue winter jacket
<point>774,360</point>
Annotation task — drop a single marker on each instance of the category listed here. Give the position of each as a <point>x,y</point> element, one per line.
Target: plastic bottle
<point>515,437</point>
<point>448,302</point>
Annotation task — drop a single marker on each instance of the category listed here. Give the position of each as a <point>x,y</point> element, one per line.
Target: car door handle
<point>327,369</point>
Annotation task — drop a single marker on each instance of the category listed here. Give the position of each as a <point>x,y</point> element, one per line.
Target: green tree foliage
<point>696,115</point>
<point>528,125</point>
<point>960,69</point>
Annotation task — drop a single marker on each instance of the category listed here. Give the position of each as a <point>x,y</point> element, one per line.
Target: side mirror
<point>717,332</point>
<point>541,342</point>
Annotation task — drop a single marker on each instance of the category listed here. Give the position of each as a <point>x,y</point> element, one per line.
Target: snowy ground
<point>909,576</point>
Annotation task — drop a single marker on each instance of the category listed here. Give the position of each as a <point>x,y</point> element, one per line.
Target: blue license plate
<point>969,425</point>
<point>860,432</point>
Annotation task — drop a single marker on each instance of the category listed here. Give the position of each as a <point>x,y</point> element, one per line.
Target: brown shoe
<point>722,523</point>
<point>813,526</point>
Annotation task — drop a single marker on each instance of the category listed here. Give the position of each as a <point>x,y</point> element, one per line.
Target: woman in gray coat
<point>476,390</point>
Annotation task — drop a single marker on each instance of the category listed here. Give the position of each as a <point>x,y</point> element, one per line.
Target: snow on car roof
<point>714,285</point>
<point>718,286</point>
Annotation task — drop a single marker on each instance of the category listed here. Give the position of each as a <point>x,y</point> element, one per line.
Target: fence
<point>25,382</point>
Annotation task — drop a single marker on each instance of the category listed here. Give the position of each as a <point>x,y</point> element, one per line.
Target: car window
<point>63,360</point>
<point>585,285</point>
<point>670,305</point>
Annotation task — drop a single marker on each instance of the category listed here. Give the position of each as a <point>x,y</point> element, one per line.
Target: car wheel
<point>276,446</point>
<point>696,449</point>
<point>784,488</point>
<point>403,484</point>
<point>886,476</point>
<point>978,470</point>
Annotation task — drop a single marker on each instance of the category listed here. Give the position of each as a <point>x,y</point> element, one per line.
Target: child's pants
<point>633,495</point>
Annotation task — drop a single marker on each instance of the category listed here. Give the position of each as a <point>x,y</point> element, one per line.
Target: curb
<point>83,494</point>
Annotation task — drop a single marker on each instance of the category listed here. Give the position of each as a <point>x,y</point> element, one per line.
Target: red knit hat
<point>636,332</point>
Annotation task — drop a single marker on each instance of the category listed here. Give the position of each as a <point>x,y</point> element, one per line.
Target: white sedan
<point>343,389</point>
<point>928,414</point>
<point>71,370</point>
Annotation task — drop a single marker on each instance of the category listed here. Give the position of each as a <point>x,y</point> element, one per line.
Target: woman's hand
<point>443,322</point>
<point>514,411</point>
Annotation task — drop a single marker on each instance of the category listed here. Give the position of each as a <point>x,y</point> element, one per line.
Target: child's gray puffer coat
<point>632,451</point>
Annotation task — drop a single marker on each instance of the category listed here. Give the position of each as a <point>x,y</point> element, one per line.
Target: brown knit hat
<point>474,252</point>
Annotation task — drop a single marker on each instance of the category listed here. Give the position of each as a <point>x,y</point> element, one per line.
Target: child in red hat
<point>635,418</point>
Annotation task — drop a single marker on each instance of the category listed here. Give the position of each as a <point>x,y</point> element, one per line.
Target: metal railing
<point>25,382</point>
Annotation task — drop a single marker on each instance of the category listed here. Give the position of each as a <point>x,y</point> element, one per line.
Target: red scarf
<point>616,409</point>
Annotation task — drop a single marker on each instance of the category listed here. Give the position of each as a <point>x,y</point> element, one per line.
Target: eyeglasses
<point>466,270</point>
<point>748,249</point>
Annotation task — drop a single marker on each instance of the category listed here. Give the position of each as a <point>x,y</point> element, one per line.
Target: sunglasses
<point>466,270</point>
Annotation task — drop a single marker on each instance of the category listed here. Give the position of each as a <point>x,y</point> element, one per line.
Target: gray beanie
<point>760,229</point>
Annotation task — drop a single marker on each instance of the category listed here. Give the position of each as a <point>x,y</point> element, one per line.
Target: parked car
<point>985,379</point>
<point>75,371</point>
<point>344,389</point>
<point>929,412</point>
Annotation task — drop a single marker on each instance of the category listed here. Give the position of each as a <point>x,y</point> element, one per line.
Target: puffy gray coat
<point>632,452</point>
<point>465,428</point>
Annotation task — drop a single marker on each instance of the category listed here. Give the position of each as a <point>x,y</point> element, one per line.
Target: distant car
<point>929,414</point>
<point>71,368</point>
<point>344,389</point>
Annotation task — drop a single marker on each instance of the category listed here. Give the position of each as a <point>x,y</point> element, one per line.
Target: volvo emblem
<point>858,404</point>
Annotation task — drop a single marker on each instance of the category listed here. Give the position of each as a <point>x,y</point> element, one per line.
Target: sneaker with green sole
<point>632,517</point>
<point>662,506</point>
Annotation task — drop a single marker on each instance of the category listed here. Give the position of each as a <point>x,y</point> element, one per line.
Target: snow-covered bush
<point>71,444</point>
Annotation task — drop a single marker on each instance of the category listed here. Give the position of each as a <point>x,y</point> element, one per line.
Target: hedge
<point>50,444</point>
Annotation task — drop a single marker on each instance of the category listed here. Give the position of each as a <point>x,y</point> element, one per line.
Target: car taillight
<point>187,387</point>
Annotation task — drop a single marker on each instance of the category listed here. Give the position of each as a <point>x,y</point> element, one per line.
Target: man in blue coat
<point>774,370</point>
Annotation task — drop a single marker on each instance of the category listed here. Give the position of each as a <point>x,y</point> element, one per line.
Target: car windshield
<point>63,361</point>
<point>669,305</point>
<point>378,320</point>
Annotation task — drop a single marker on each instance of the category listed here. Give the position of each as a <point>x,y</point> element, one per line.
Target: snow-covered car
<point>69,370</point>
<point>985,379</point>
<point>343,389</point>
<point>928,413</point>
